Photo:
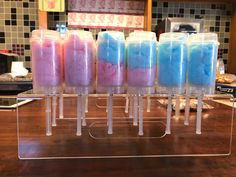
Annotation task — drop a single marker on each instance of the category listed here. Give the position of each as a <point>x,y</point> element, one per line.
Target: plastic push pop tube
<point>109,115</point>
<point>79,115</point>
<point>141,54</point>
<point>48,116</point>
<point>111,59</point>
<point>78,59</point>
<point>172,60</point>
<point>46,61</point>
<point>54,110</point>
<point>202,49</point>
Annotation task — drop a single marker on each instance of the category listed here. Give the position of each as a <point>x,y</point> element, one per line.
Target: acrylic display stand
<point>43,135</point>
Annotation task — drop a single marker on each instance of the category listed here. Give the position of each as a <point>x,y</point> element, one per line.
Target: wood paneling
<point>202,1</point>
<point>148,15</point>
<point>43,19</point>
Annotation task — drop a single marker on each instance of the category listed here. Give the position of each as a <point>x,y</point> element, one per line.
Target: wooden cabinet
<point>43,20</point>
<point>231,65</point>
<point>203,1</point>
<point>148,15</point>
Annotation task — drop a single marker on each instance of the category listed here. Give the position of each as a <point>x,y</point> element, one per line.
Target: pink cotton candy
<point>78,62</point>
<point>46,63</point>
<point>141,77</point>
<point>110,74</point>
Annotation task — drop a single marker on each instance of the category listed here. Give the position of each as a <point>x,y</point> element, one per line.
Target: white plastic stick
<point>48,116</point>
<point>187,109</point>
<point>135,114</point>
<point>78,131</point>
<point>148,103</point>
<point>199,115</point>
<point>140,131</point>
<point>131,106</point>
<point>126,104</point>
<point>86,103</point>
<point>177,107</point>
<point>107,104</point>
<point>83,102</point>
<point>168,121</point>
<point>109,115</point>
<point>61,106</point>
<point>54,111</point>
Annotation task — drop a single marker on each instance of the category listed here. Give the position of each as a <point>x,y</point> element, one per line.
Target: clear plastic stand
<point>177,107</point>
<point>61,106</point>
<point>187,109</point>
<point>38,139</point>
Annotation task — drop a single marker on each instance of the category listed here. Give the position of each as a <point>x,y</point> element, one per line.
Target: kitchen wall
<point>19,17</point>
<point>217,18</point>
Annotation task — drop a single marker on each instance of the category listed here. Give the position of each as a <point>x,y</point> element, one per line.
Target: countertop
<point>10,165</point>
<point>8,78</point>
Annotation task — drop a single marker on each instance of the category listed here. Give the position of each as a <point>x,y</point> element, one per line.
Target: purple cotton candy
<point>78,62</point>
<point>46,63</point>
<point>141,77</point>
<point>110,74</point>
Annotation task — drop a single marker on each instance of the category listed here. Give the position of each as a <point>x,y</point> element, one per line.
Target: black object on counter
<point>5,62</point>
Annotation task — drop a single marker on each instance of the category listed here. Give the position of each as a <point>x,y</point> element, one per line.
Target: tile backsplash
<point>217,18</point>
<point>19,17</point>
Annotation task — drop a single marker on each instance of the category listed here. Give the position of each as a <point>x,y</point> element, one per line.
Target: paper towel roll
<point>17,69</point>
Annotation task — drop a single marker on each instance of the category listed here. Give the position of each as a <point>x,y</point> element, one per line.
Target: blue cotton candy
<point>111,49</point>
<point>172,60</point>
<point>141,54</point>
<point>202,63</point>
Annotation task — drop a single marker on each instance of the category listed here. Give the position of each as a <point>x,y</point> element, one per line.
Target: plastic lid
<point>48,34</point>
<point>84,35</point>
<point>143,35</point>
<point>111,35</point>
<point>173,36</point>
<point>203,37</point>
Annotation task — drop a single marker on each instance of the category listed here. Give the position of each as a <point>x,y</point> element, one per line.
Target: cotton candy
<point>46,63</point>
<point>78,61</point>
<point>202,60</point>
<point>172,59</point>
<point>141,54</point>
<point>111,59</point>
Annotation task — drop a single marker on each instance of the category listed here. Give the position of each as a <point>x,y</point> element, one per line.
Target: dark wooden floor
<point>10,165</point>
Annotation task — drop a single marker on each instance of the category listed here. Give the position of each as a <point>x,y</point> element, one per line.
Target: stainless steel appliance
<point>187,25</point>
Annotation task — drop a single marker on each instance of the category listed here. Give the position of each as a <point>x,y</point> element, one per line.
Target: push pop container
<point>202,57</point>
<point>172,60</point>
<point>141,55</point>
<point>143,34</point>
<point>79,53</point>
<point>47,66</point>
<point>111,60</point>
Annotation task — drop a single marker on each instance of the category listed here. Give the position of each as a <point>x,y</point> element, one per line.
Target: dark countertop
<point>10,165</point>
<point>13,86</point>
<point>8,78</point>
